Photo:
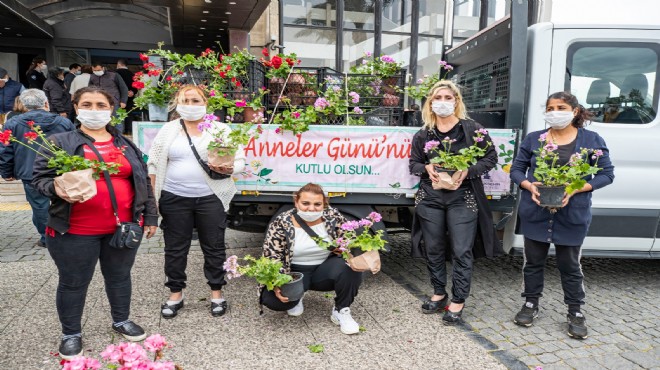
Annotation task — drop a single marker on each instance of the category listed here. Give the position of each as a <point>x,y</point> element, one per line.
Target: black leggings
<point>332,274</point>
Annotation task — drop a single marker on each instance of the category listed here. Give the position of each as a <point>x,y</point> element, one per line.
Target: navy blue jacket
<point>8,94</point>
<point>570,224</point>
<point>16,160</point>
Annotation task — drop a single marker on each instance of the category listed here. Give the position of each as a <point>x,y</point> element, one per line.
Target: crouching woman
<point>288,242</point>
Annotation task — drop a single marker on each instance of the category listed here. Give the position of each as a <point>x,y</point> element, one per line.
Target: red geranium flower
<point>138,85</point>
<point>30,123</point>
<point>223,74</point>
<point>137,76</point>
<point>265,52</point>
<point>154,72</point>
<point>144,57</point>
<point>168,78</point>
<point>31,136</point>
<point>289,61</point>
<point>276,62</point>
<point>5,136</point>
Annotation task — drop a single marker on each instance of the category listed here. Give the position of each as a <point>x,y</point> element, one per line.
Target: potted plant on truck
<point>450,164</point>
<point>267,272</point>
<point>557,180</point>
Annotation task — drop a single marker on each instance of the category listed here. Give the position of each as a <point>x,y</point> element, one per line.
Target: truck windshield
<point>618,82</point>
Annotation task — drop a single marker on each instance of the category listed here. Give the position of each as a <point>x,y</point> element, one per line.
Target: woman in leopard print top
<point>322,269</point>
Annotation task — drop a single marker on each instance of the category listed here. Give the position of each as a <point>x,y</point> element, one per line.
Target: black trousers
<point>180,215</point>
<point>568,263</point>
<point>453,213</point>
<point>75,257</point>
<point>332,274</point>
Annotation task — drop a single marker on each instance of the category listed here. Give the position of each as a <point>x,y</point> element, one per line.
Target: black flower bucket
<point>551,196</point>
<point>294,289</point>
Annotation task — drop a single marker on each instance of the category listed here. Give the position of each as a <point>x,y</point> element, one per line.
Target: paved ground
<point>623,313</point>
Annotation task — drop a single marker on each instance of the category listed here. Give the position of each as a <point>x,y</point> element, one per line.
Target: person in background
<point>567,226</point>
<point>9,91</point>
<point>16,161</point>
<point>188,197</point>
<point>453,222</point>
<point>127,76</point>
<point>36,73</point>
<point>19,108</point>
<point>322,270</point>
<point>78,234</point>
<point>59,99</point>
<point>111,82</point>
<point>81,80</point>
<point>75,69</point>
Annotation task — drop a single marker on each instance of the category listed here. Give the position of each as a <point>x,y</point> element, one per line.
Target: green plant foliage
<point>266,271</point>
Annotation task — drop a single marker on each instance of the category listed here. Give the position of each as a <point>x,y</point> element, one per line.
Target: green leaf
<point>264,172</point>
<point>328,295</point>
<point>316,348</point>
<point>362,329</point>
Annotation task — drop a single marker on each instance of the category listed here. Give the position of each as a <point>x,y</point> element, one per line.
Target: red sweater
<point>96,216</point>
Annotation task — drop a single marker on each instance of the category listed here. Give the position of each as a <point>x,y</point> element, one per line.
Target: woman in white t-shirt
<point>286,240</point>
<point>188,198</point>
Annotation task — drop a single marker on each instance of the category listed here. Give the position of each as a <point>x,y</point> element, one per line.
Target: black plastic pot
<point>294,289</point>
<point>551,196</point>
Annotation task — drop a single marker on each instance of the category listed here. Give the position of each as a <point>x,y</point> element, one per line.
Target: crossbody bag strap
<point>192,146</point>
<point>305,227</point>
<point>106,175</point>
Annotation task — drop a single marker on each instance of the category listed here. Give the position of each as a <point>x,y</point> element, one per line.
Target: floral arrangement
<point>571,175</point>
<point>424,84</point>
<point>266,271</point>
<point>224,143</point>
<point>357,235</point>
<point>384,66</point>
<point>279,65</point>
<point>465,157</point>
<point>58,159</point>
<point>126,356</point>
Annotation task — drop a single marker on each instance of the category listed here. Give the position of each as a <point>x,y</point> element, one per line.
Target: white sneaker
<point>345,321</point>
<point>297,310</point>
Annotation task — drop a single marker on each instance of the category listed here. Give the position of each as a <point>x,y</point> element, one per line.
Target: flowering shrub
<point>58,158</point>
<point>355,238</point>
<point>266,271</point>
<point>279,65</point>
<point>385,66</point>
<point>571,175</point>
<point>225,143</point>
<point>424,84</point>
<point>465,157</point>
<point>126,356</point>
<point>295,120</point>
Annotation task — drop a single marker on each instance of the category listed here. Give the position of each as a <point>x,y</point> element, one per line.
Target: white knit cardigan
<point>224,189</point>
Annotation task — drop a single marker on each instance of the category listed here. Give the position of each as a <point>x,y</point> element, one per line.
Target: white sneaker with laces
<point>297,310</point>
<point>345,321</point>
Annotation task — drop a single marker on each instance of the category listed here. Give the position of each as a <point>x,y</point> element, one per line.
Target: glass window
<point>355,45</point>
<point>359,14</point>
<point>429,53</point>
<point>310,12</point>
<point>67,57</point>
<point>398,47</point>
<point>314,46</point>
<point>617,82</point>
<point>397,15</point>
<point>431,17</point>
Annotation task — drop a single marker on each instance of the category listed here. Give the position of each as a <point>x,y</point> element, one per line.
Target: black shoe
<point>131,331</point>
<point>40,244</point>
<point>435,306</point>
<point>71,347</point>
<point>527,314</point>
<point>218,309</point>
<point>452,318</point>
<point>172,310</point>
<point>577,325</point>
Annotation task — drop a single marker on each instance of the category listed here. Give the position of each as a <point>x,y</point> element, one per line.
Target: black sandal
<point>435,306</point>
<point>218,309</point>
<point>173,308</point>
<point>452,318</point>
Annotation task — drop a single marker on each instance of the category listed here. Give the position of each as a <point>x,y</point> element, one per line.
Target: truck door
<point>614,74</point>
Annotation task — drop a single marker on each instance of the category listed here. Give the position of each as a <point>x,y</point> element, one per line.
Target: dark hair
<point>86,69</point>
<point>314,189</point>
<point>121,61</point>
<point>74,65</point>
<point>92,90</point>
<point>36,60</point>
<point>55,72</point>
<point>97,63</point>
<point>582,115</point>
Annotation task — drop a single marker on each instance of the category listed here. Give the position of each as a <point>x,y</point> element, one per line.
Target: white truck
<point>607,53</point>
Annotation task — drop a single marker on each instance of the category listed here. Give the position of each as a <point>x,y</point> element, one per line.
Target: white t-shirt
<point>185,177</point>
<point>305,250</point>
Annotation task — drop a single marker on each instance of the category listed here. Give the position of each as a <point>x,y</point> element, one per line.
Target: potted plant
<point>267,272</point>
<point>279,68</point>
<point>558,180</point>
<point>222,149</point>
<point>357,236</point>
<point>254,107</point>
<point>423,87</point>
<point>77,175</point>
<point>448,163</point>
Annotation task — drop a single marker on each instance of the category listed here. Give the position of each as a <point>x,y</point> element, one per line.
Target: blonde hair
<point>428,117</point>
<point>180,95</point>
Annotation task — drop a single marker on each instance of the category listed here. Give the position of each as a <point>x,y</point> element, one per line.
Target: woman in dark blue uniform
<point>36,74</point>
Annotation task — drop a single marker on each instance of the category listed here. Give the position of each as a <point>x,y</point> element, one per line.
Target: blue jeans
<point>40,205</point>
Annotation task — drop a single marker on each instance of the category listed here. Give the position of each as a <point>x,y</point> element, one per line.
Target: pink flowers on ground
<point>231,267</point>
<point>430,145</point>
<point>155,343</point>
<point>81,363</point>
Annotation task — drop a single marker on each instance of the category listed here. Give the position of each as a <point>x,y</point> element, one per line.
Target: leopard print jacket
<point>281,235</point>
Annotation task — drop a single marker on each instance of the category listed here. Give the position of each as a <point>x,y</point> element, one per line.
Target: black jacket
<point>144,203</point>
<point>486,243</point>
<point>59,98</point>
<point>16,160</point>
<point>36,80</point>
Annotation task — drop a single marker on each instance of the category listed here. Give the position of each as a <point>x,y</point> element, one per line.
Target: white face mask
<point>443,108</point>
<point>99,73</point>
<point>44,68</point>
<point>558,119</point>
<point>310,216</point>
<point>191,112</point>
<point>5,80</point>
<point>94,119</point>
<point>77,73</point>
